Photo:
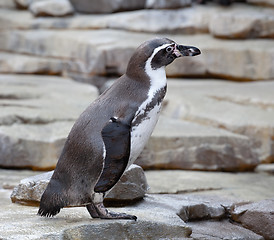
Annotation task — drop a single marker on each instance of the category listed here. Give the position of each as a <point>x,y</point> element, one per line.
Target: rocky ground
<point>212,152</point>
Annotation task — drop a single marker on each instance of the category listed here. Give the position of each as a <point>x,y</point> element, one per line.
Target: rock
<point>265,168</point>
<point>19,63</point>
<point>53,8</point>
<point>184,145</point>
<point>35,146</point>
<point>131,187</point>
<point>7,4</point>
<point>242,108</point>
<point>226,185</point>
<point>106,6</point>
<point>32,126</point>
<point>204,207</point>
<point>269,3</point>
<point>87,53</point>
<point>167,3</point>
<point>157,219</point>
<point>258,217</point>
<point>243,22</point>
<point>217,230</point>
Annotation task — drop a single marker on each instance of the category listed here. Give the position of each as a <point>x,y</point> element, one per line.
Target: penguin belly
<point>141,132</point>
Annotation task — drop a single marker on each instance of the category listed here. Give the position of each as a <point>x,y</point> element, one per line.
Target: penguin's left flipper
<point>116,137</point>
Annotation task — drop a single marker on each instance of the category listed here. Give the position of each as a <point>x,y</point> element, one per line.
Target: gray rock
<point>53,8</point>
<point>36,117</point>
<point>131,187</point>
<point>258,217</point>
<point>167,3</point>
<point>179,144</point>
<point>107,6</point>
<point>89,54</point>
<point>19,63</point>
<point>265,168</point>
<point>204,207</point>
<point>241,108</point>
<point>7,4</point>
<point>243,22</point>
<point>219,230</point>
<point>226,185</point>
<point>24,4</point>
<point>157,219</point>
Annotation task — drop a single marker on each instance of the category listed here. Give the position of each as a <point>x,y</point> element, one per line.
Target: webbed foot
<point>98,210</point>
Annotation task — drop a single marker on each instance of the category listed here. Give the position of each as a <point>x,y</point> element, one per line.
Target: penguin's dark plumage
<point>111,133</point>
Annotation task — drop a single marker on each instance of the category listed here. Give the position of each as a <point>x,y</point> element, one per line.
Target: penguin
<point>111,133</point>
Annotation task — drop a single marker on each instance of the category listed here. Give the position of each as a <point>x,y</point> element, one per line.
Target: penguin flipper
<point>116,137</point>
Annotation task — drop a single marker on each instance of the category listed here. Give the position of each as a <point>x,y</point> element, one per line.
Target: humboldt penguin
<point>111,133</point>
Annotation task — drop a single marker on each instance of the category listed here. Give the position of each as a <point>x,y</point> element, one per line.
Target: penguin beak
<point>181,50</point>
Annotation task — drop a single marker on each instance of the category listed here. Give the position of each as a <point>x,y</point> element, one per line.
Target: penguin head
<point>158,53</point>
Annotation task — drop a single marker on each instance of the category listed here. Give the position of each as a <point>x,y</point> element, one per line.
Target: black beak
<point>188,50</point>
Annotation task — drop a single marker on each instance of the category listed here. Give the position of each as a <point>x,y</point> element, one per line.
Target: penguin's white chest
<point>141,133</point>
<point>148,113</point>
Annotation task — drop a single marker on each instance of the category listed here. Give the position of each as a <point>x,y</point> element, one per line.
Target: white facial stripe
<point>156,50</point>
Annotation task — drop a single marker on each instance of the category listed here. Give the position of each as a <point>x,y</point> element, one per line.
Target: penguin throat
<point>156,76</point>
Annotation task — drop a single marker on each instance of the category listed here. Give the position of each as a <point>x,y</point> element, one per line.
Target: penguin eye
<point>169,49</point>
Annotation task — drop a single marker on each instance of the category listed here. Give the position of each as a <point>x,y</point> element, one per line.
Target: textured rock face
<point>184,145</point>
<point>53,8</point>
<point>243,23</point>
<point>258,217</point>
<point>132,186</point>
<point>167,3</point>
<point>36,117</point>
<point>242,108</point>
<point>106,6</point>
<point>90,53</point>
<point>225,185</point>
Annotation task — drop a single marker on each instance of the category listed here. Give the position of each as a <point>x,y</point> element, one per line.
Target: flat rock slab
<point>226,185</point>
<point>237,21</point>
<point>177,144</point>
<point>20,63</point>
<point>258,217</point>
<point>89,53</point>
<point>37,113</point>
<point>242,108</point>
<point>156,220</point>
<point>265,168</point>
<point>219,230</point>
<point>131,187</point>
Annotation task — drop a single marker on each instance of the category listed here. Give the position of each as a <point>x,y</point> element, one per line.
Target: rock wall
<point>222,125</point>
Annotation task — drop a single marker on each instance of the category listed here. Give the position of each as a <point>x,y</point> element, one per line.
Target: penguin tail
<point>51,202</point>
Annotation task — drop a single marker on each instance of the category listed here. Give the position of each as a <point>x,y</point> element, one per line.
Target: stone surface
<point>265,168</point>
<point>258,217</point>
<point>37,113</point>
<point>167,3</point>
<point>242,108</point>
<point>262,2</point>
<point>87,53</point>
<point>157,219</point>
<point>7,4</point>
<point>19,63</point>
<point>243,22</point>
<point>226,185</point>
<point>53,8</point>
<point>179,144</point>
<point>131,187</point>
<point>106,6</point>
<point>219,230</point>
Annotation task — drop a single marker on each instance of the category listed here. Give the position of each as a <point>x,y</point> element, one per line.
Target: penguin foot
<point>99,211</point>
